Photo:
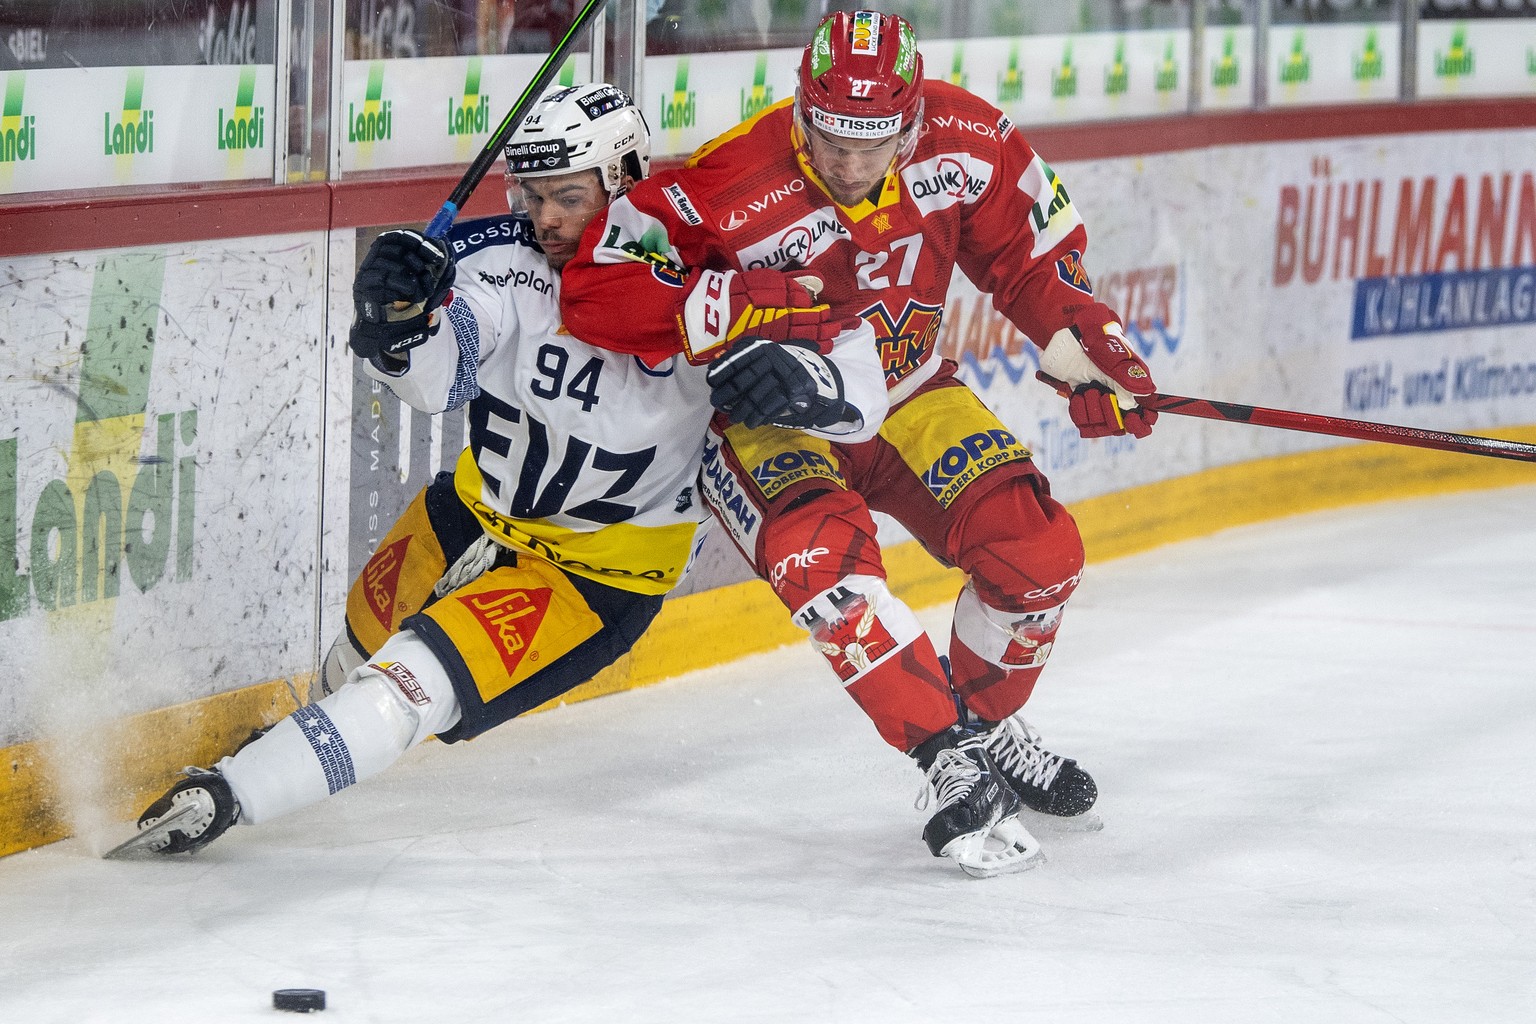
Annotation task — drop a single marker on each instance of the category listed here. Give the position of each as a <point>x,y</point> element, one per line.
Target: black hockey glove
<point>401,266</point>
<point>786,384</point>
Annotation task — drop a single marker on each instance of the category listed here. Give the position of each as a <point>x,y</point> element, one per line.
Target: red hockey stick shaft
<point>1338,426</point>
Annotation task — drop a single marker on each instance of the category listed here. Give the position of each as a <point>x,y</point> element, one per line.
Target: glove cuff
<point>706,318</point>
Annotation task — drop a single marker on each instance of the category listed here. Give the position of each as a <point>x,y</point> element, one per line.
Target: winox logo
<point>134,131</point>
<point>798,244</point>
<point>768,200</point>
<point>947,180</point>
<point>127,497</point>
<point>246,126</point>
<point>472,114</point>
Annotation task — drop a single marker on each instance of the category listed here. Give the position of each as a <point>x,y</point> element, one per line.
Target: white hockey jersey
<point>584,456</point>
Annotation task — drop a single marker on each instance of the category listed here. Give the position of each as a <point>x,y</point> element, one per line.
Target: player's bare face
<point>850,168</point>
<point>561,206</point>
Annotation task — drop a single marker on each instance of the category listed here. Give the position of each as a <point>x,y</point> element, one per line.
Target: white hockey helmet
<point>582,127</point>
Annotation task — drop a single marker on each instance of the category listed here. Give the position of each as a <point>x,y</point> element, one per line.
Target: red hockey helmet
<point>862,77</point>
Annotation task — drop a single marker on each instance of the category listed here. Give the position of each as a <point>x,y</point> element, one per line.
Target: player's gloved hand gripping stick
<point>1090,368</point>
<point>443,219</point>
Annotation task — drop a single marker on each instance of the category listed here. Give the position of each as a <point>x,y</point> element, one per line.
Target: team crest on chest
<point>904,341</point>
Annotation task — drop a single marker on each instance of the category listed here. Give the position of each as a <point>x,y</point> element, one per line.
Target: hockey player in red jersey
<point>871,186</point>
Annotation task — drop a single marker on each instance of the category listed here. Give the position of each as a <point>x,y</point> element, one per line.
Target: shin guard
<point>887,663</point>
<point>997,656</point>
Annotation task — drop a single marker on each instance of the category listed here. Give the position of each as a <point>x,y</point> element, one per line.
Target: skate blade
<point>1006,848</point>
<point>1088,821</point>
<point>144,844</point>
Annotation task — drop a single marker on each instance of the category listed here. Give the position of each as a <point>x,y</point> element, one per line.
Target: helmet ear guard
<point>577,128</point>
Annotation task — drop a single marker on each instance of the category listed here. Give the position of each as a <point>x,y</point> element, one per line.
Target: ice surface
<point>1315,741</point>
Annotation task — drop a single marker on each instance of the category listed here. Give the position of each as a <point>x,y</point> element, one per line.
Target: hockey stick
<point>443,219</point>
<point>1337,426</point>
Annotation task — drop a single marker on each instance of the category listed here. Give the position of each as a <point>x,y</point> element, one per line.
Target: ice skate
<point>1048,784</point>
<point>977,821</point>
<point>192,814</point>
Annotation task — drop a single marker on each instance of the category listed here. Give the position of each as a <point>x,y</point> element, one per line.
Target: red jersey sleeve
<point>625,287</point>
<point>1024,241</point>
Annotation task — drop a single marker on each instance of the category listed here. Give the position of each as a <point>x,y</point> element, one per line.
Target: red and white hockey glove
<point>1091,365</point>
<point>723,306</point>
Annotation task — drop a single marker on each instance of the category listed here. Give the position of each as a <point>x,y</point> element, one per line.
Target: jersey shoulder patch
<point>470,236</point>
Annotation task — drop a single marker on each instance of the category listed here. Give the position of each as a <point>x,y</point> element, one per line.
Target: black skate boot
<point>977,821</point>
<point>1047,783</point>
<point>193,813</point>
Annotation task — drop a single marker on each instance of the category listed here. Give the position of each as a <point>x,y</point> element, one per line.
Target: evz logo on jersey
<point>1070,269</point>
<point>904,342</point>
<point>946,180</point>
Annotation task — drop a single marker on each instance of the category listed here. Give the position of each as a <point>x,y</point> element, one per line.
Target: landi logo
<point>472,115</point>
<point>957,73</point>
<point>1010,84</point>
<point>681,109</point>
<point>376,121</point>
<point>1225,69</point>
<point>1167,79</point>
<point>1296,66</point>
<point>246,125</point>
<point>134,131</point>
<point>115,506</point>
<point>1117,77</point>
<point>1368,64</point>
<point>18,130</point>
<point>1458,62</point>
<point>760,98</point>
<point>1064,79</point>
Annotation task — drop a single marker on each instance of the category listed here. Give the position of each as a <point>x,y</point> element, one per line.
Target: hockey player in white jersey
<point>544,555</point>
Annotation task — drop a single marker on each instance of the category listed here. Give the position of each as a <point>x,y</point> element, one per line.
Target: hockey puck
<point>299,1000</point>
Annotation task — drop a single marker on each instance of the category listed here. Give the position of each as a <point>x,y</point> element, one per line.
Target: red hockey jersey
<point>974,194</point>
